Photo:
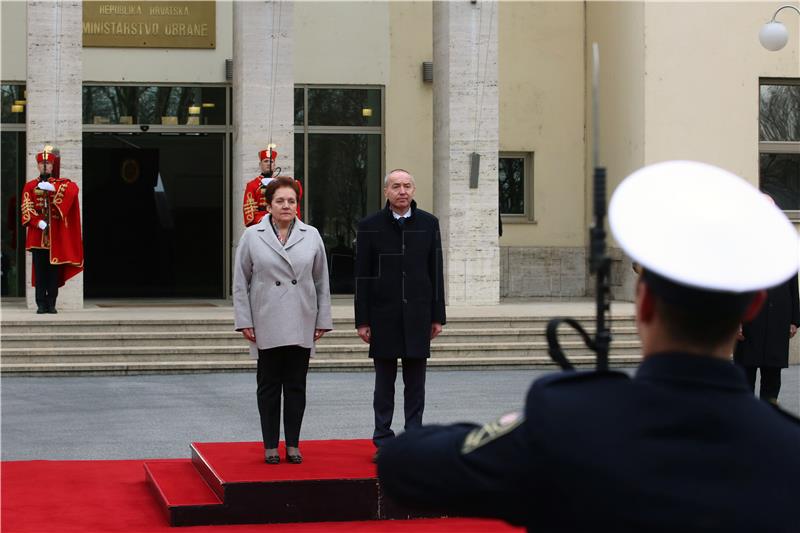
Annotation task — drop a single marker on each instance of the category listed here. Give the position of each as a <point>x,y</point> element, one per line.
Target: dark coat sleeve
<point>436,467</point>
<point>436,265</point>
<point>363,275</point>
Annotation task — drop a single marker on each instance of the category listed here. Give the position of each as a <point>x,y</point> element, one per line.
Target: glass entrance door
<point>339,160</point>
<point>12,238</point>
<point>153,215</point>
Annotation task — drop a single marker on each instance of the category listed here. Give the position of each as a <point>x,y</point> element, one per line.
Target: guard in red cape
<point>254,205</point>
<point>52,216</point>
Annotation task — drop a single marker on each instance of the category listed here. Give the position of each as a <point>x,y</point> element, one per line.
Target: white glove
<point>42,225</point>
<point>46,186</point>
<point>265,181</point>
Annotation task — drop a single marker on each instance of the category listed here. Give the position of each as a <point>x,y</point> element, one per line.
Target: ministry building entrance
<point>156,191</point>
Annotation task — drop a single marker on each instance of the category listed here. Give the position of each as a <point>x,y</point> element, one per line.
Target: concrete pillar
<point>465,120</point>
<point>54,109</point>
<point>263,93</point>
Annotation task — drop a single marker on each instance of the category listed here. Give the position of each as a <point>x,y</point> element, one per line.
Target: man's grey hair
<point>386,177</point>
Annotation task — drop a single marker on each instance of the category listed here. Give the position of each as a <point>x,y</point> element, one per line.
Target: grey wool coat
<point>281,291</point>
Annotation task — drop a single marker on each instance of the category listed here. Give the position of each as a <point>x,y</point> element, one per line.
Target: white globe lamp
<point>773,34</point>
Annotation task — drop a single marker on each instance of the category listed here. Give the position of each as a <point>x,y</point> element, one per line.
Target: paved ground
<point>158,416</point>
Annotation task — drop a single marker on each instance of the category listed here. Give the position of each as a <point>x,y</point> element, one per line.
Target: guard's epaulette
<point>577,376</point>
<point>791,416</point>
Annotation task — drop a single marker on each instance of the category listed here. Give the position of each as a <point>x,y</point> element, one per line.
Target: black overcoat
<point>399,282</point>
<point>766,338</point>
<point>682,446</point>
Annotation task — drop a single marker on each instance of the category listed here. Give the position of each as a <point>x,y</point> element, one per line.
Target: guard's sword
<point>599,262</point>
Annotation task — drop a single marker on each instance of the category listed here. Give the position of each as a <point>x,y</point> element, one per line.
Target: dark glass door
<point>153,215</point>
<point>12,234</point>
<point>343,182</point>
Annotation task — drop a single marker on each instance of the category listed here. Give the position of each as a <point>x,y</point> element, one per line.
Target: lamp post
<point>773,34</point>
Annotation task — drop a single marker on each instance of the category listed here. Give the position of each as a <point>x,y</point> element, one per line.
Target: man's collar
<point>408,214</point>
<point>692,369</point>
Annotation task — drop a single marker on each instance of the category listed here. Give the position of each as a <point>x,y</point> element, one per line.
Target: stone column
<point>263,93</point>
<point>55,72</point>
<point>465,120</point>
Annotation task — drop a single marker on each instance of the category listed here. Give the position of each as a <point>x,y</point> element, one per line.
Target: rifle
<point>43,176</point>
<point>599,262</point>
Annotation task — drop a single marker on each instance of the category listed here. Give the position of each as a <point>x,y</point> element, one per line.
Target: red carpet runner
<point>113,496</point>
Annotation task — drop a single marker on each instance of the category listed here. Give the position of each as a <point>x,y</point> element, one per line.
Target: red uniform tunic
<point>254,205</point>
<point>63,233</point>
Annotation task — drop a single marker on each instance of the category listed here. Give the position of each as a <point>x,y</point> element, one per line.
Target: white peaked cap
<point>703,227</point>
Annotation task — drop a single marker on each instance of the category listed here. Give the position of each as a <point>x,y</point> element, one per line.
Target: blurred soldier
<point>764,342</point>
<point>681,446</point>
<point>254,205</point>
<point>52,216</point>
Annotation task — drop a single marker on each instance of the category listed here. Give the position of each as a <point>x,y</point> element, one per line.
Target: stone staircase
<point>115,346</point>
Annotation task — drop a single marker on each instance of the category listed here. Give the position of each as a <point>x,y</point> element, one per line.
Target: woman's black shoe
<point>294,459</point>
<point>272,459</point>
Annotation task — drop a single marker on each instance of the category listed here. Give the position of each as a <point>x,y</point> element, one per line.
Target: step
<point>183,494</point>
<point>109,339</point>
<point>48,325</point>
<point>229,483</point>
<point>239,352</point>
<point>317,365</point>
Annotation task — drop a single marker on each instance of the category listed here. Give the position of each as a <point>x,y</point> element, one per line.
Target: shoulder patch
<point>487,433</point>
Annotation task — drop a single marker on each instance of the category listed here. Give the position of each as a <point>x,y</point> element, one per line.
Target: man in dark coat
<point>681,446</point>
<point>764,342</point>
<point>399,300</point>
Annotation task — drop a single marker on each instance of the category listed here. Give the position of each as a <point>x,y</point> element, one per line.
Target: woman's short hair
<point>279,182</point>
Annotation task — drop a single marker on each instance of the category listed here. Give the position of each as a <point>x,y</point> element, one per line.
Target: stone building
<point>159,115</point>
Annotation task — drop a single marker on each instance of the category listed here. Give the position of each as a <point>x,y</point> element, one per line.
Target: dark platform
<point>229,483</point>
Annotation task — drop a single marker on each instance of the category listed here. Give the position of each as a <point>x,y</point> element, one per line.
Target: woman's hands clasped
<point>250,334</point>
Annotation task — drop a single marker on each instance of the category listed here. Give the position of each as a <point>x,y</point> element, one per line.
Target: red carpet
<point>112,496</point>
<point>236,462</point>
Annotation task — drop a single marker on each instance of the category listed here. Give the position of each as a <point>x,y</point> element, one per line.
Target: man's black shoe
<point>52,311</point>
<point>40,310</point>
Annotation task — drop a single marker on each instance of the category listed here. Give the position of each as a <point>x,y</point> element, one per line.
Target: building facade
<point>161,137</point>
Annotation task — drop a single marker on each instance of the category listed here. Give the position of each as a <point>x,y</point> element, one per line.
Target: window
<point>779,143</point>
<point>515,182</point>
<point>154,105</point>
<point>338,152</point>
<point>14,104</point>
<point>12,154</point>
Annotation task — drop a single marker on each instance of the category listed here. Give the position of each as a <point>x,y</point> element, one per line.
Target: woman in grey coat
<point>282,305</point>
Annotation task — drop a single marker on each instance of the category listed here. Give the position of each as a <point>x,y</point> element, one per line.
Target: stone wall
<point>556,272</point>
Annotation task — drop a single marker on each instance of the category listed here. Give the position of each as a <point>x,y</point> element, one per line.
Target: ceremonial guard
<point>52,216</point>
<point>254,205</point>
<point>682,445</point>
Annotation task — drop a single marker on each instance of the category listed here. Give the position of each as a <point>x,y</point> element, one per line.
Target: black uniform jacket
<point>766,338</point>
<point>683,446</point>
<point>399,282</point>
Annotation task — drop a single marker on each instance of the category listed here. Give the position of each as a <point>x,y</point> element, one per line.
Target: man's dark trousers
<point>770,381</point>
<point>383,399</point>
<point>46,279</point>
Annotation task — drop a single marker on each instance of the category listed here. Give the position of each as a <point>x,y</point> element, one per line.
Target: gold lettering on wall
<point>150,24</point>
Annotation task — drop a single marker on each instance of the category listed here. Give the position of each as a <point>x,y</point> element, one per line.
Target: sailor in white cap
<point>683,445</point>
